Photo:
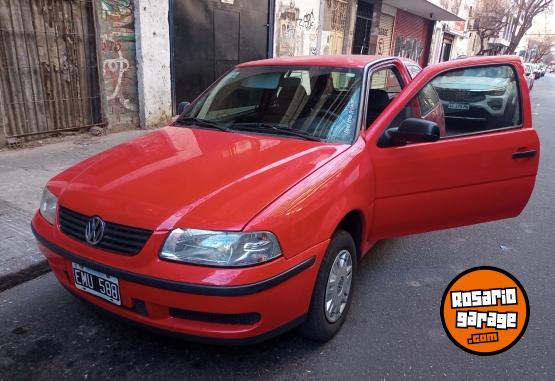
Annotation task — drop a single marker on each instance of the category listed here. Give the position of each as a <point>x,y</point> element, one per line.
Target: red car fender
<point>317,204</point>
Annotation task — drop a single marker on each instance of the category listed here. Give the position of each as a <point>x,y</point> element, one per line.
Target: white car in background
<point>529,72</point>
<point>478,96</point>
<point>537,71</point>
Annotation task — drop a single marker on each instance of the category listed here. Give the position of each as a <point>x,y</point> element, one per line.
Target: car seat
<point>377,102</point>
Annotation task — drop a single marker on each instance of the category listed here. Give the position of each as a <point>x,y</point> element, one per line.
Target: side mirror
<point>410,130</point>
<point>182,106</point>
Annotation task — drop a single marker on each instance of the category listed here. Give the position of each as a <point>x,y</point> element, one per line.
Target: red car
<point>249,214</point>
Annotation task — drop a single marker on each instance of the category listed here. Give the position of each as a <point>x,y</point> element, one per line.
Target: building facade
<point>452,38</point>
<point>130,62</point>
<point>388,27</point>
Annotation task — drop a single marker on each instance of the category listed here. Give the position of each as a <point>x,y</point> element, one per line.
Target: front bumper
<point>227,312</point>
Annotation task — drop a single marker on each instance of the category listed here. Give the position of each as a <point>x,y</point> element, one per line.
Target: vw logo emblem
<point>94,231</point>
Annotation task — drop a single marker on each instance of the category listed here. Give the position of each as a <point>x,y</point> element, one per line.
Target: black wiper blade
<point>203,123</point>
<point>260,126</point>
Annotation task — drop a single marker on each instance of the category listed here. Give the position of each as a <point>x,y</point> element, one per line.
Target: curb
<point>31,272</point>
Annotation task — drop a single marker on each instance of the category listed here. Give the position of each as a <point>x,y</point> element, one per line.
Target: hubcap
<point>338,286</point>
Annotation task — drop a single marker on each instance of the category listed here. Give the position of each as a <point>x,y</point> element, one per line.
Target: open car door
<point>482,167</point>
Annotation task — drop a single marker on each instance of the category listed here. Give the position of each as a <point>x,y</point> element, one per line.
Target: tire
<point>319,324</point>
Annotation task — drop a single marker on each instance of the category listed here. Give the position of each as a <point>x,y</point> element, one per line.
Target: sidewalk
<point>23,174</point>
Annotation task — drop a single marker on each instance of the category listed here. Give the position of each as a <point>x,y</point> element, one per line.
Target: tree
<point>544,48</point>
<point>525,10</point>
<point>490,18</point>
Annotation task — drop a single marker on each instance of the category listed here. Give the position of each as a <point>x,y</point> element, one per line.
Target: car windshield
<point>315,103</point>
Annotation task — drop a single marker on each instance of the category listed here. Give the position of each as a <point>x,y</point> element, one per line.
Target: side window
<point>479,99</point>
<point>413,70</point>
<point>384,86</point>
<point>466,101</point>
<point>385,79</point>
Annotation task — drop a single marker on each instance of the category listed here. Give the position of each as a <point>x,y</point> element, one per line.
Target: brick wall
<point>117,63</point>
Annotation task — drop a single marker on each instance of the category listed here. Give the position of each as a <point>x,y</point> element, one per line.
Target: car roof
<point>348,61</point>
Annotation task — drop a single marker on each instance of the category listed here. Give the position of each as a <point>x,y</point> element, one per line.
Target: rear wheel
<point>333,290</point>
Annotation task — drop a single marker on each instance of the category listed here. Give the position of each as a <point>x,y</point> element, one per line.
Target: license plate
<point>97,283</point>
<point>458,106</point>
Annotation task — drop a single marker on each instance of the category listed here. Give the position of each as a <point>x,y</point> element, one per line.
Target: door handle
<point>524,154</point>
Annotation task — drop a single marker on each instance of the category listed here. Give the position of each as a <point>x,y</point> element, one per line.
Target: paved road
<point>393,331</point>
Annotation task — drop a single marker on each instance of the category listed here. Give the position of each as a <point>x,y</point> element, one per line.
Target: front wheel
<point>333,290</point>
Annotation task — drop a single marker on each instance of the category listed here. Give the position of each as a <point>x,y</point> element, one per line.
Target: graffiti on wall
<point>297,30</point>
<point>307,21</point>
<point>333,27</point>
<point>114,72</point>
<point>409,47</point>
<point>119,12</point>
<point>118,53</point>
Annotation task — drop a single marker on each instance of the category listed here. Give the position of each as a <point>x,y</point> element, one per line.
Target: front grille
<point>460,95</point>
<point>117,238</point>
<point>244,319</point>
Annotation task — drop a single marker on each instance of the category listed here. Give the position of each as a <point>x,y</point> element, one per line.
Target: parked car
<point>537,71</point>
<point>249,215</point>
<point>490,95</point>
<point>552,69</point>
<point>543,69</point>
<point>529,74</point>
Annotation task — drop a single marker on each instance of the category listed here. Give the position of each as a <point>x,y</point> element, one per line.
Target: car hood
<point>470,83</point>
<point>189,177</point>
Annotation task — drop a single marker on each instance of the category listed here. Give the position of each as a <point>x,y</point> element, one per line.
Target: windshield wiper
<point>261,126</point>
<point>203,123</point>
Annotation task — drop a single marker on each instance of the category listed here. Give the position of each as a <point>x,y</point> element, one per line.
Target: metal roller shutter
<point>412,37</point>
<point>385,35</point>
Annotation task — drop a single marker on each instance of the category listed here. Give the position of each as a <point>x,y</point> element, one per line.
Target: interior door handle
<point>523,154</point>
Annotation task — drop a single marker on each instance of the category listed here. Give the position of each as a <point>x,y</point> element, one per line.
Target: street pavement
<point>24,173</point>
<point>393,330</point>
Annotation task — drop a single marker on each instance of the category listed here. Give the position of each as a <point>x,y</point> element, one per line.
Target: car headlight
<point>225,249</point>
<point>496,92</point>
<point>48,204</point>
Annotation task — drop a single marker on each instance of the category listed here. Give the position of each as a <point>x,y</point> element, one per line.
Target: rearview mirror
<point>410,130</point>
<point>182,106</point>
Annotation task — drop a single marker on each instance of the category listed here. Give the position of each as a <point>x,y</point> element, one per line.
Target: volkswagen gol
<point>249,214</point>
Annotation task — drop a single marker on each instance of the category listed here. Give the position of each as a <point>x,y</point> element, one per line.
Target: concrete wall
<point>134,62</point>
<point>436,43</point>
<point>313,27</point>
<point>153,61</point>
<point>296,29</point>
<point>117,63</point>
<point>374,34</point>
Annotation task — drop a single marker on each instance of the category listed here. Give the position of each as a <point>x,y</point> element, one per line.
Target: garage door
<point>211,36</point>
<point>385,35</point>
<point>412,37</point>
<point>49,78</point>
